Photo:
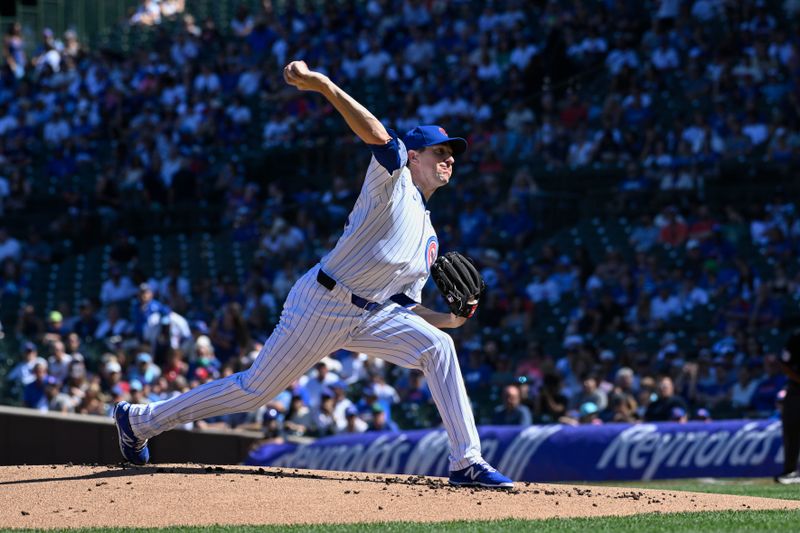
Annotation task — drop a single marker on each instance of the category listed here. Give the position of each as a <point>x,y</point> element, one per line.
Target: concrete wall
<point>31,437</point>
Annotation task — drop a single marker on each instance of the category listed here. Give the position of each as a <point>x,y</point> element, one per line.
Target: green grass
<point>714,522</point>
<point>761,487</point>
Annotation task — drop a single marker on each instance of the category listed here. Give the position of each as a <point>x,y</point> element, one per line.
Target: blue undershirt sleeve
<point>391,155</point>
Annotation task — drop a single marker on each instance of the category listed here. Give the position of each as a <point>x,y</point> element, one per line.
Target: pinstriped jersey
<point>389,243</point>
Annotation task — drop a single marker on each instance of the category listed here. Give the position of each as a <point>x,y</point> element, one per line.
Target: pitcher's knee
<point>250,383</point>
<point>442,348</point>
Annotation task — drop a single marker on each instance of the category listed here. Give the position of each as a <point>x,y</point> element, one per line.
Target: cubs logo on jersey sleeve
<point>431,251</point>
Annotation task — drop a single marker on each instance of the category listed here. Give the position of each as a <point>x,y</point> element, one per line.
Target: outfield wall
<point>32,437</point>
<point>740,448</point>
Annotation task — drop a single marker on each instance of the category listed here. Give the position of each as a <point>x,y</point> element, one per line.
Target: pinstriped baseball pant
<point>314,323</point>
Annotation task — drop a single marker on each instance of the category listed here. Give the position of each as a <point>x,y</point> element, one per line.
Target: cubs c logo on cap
<point>431,250</point>
<point>441,130</point>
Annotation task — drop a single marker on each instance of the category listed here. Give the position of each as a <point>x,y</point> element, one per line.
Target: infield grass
<point>759,487</point>
<point>711,522</point>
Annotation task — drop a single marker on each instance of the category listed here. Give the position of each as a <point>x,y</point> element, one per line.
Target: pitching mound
<point>165,495</point>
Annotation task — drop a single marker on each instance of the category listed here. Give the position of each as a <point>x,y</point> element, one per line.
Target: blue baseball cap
<point>270,415</point>
<point>422,136</point>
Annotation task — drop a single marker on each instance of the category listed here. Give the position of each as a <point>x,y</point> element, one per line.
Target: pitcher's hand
<point>297,74</point>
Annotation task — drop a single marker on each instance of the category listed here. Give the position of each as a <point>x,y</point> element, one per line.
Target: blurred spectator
<point>743,390</point>
<point>229,333</point>
<point>319,383</point>
<point>324,422</point>
<point>552,402</point>
<point>299,420</point>
<point>512,412</point>
<point>144,371</point>
<point>113,325</point>
<point>34,394</point>
<point>380,420</point>
<point>87,323</point>
<point>591,393</point>
<point>353,424</point>
<point>14,50</point>
<point>24,372</point>
<point>10,248</point>
<point>763,400</point>
<point>59,361</point>
<point>663,408</point>
<point>271,427</point>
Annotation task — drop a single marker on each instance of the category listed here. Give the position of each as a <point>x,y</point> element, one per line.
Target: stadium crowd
<point>666,91</point>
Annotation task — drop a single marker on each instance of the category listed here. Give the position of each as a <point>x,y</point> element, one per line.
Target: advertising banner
<point>740,448</point>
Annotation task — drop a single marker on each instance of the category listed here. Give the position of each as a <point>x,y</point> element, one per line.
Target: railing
<point>89,18</point>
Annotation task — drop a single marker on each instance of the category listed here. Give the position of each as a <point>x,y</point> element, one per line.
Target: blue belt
<point>329,283</point>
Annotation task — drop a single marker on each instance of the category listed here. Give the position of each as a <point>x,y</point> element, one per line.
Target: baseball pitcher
<point>362,296</point>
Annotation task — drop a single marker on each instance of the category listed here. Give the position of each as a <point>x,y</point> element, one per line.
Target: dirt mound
<point>164,495</point>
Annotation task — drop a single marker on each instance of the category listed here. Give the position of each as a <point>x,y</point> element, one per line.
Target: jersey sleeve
<point>387,163</point>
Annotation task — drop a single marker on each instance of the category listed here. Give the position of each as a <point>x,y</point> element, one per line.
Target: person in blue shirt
<point>145,306</point>
<point>764,398</point>
<point>379,421</point>
<point>34,395</point>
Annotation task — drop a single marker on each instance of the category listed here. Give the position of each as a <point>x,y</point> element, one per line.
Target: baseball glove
<point>459,282</point>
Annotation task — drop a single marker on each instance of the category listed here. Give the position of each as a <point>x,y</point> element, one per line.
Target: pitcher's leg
<point>403,338</point>
<point>304,335</point>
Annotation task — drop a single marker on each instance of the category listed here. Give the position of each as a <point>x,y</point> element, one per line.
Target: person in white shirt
<point>8,121</point>
<point>23,373</point>
<point>57,129</point>
<point>664,305</point>
<point>665,57</point>
<point>743,390</point>
<point>581,150</point>
<point>488,69</point>
<point>5,192</point>
<point>58,363</point>
<point>117,288</point>
<point>781,48</point>
<point>706,10</point>
<point>147,14</point>
<point>621,56</point>
<point>399,71</point>
<point>238,112</point>
<point>242,23</point>
<point>354,367</point>
<point>695,134</point>
<point>206,81</point>
<point>452,106</point>
<point>277,131</point>
<point>542,289</point>
<point>179,330</point>
<point>522,53</point>
<point>375,62</point>
<point>174,275</point>
<point>352,64</point>
<point>113,325</point>
<point>594,44</point>
<point>9,246</point>
<point>692,295</point>
<point>249,81</point>
<point>755,129</point>
<point>420,51</point>
<point>384,392</point>
<point>321,379</point>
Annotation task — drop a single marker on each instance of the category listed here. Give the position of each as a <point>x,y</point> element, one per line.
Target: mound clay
<point>166,495</point>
